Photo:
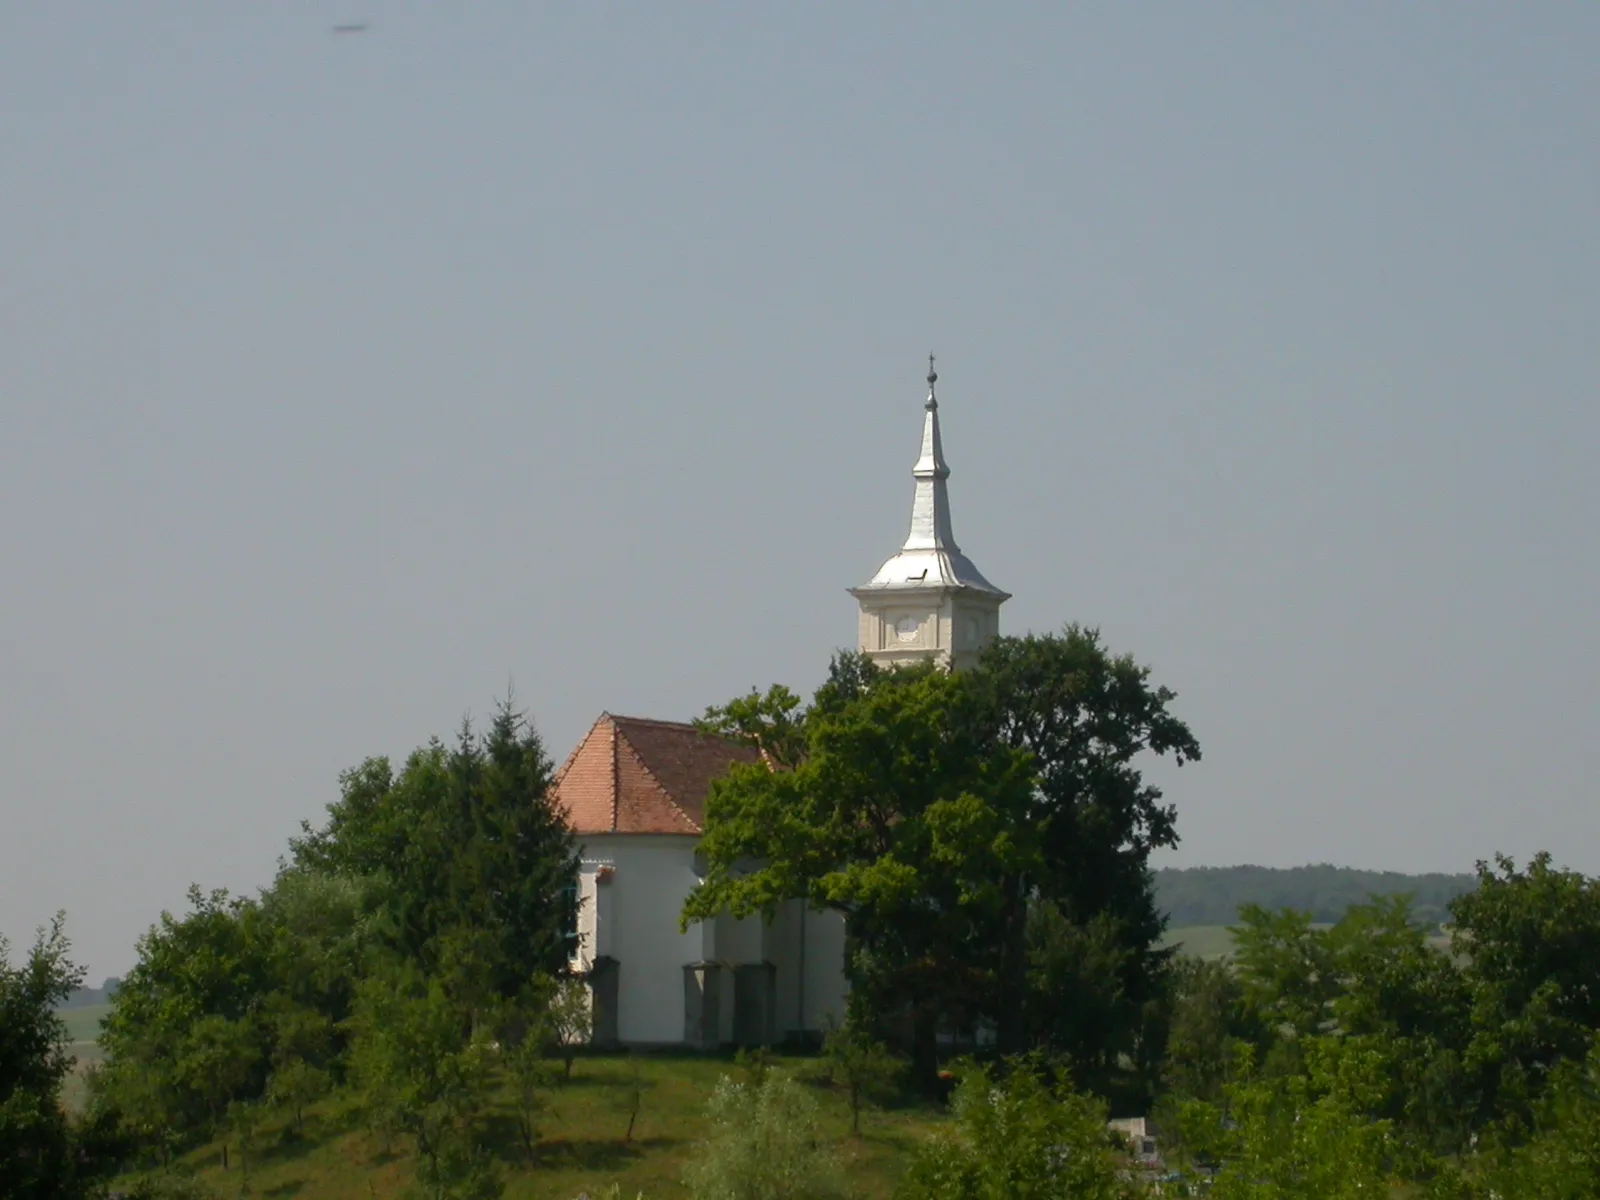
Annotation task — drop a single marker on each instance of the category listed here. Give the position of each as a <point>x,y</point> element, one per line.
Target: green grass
<point>582,1147</point>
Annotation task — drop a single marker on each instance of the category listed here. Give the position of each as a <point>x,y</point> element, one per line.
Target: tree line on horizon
<point>1216,895</point>
<point>986,837</point>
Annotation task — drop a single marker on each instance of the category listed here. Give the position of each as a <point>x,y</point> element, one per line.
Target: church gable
<point>631,775</point>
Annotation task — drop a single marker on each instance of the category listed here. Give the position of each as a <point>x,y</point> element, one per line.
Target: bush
<point>1020,1138</point>
<point>765,1143</point>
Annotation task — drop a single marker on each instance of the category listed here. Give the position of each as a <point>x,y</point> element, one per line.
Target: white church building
<point>634,792</point>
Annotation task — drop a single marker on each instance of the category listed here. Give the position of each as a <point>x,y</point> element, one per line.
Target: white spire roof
<point>930,557</point>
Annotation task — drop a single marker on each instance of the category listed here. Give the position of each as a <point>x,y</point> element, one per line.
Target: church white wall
<point>825,990</point>
<point>637,919</point>
<point>806,1001</point>
<point>633,918</point>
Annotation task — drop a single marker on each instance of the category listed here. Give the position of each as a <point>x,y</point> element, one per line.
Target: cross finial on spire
<point>933,378</point>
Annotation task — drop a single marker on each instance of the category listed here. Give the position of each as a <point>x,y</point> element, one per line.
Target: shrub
<point>765,1143</point>
<point>1020,1138</point>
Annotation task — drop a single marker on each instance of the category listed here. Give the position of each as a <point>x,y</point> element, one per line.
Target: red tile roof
<point>632,775</point>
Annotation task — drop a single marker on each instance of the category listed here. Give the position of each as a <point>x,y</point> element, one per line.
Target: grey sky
<point>343,379</point>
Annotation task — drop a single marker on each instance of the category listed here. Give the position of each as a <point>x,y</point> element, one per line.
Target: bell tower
<point>928,601</point>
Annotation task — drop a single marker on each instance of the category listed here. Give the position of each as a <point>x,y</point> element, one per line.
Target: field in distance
<point>1200,941</point>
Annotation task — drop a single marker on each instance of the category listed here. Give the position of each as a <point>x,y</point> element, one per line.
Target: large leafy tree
<point>886,802</point>
<point>1088,719</point>
<point>986,835</point>
<point>185,1033</point>
<point>1532,941</point>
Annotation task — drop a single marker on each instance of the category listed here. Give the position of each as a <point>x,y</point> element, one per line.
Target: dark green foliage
<point>1095,999</point>
<point>468,862</point>
<point>43,1156</point>
<point>1469,1040</point>
<point>1561,1159</point>
<point>1533,941</point>
<point>1087,719</point>
<point>985,834</point>
<point>894,810</point>
<point>1215,895</point>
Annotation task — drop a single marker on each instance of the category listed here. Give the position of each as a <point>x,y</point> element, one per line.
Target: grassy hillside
<point>1212,895</point>
<point>583,1147</point>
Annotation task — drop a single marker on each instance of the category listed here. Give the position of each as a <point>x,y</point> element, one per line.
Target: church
<point>634,793</point>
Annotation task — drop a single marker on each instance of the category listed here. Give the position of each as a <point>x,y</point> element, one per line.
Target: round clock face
<point>906,628</point>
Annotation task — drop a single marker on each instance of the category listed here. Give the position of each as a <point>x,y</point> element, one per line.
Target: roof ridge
<point>689,725</point>
<point>655,779</point>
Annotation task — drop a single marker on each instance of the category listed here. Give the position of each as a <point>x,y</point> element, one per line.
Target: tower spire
<point>930,508</point>
<point>928,601</point>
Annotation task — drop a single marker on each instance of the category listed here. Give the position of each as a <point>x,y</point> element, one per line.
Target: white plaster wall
<point>634,919</point>
<point>739,941</point>
<point>826,990</point>
<point>780,942</point>
<point>652,876</point>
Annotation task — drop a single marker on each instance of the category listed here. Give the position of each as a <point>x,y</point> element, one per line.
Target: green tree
<point>294,1085</point>
<point>861,1065</point>
<point>1080,1006</point>
<point>468,863</point>
<point>1209,1022</point>
<point>41,1154</point>
<point>1532,941</point>
<point>985,834</point>
<point>218,1061</point>
<point>1286,968</point>
<point>890,806</point>
<point>1411,1000</point>
<point>1087,719</point>
<point>318,935</point>
<point>1302,1135</point>
<point>185,1019</point>
<point>568,1019</point>
<point>1020,1137</point>
<point>422,1073</point>
<point>527,1030</point>
<point>764,1143</point>
<point>1561,1160</point>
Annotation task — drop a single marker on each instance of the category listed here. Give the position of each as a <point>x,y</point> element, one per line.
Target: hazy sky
<point>345,378</point>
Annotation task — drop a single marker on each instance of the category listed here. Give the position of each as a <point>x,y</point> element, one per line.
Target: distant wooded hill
<point>1212,895</point>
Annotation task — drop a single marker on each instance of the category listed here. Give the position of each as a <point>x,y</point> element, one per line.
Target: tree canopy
<point>986,834</point>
